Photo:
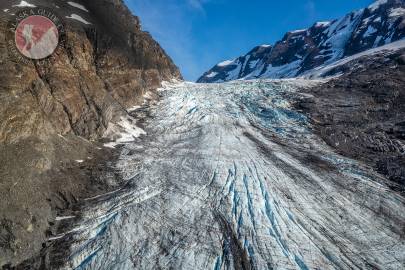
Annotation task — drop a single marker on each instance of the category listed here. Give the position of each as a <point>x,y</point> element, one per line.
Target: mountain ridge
<point>323,43</point>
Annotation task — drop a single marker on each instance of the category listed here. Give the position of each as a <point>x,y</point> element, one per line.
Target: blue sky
<point>197,34</point>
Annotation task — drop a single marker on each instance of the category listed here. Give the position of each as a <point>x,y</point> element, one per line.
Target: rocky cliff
<point>321,44</point>
<point>52,114</point>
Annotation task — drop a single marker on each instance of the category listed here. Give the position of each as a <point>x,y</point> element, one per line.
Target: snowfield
<point>76,5</point>
<point>78,18</point>
<point>231,176</point>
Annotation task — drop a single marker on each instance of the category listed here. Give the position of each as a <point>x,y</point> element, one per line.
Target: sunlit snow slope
<point>230,176</point>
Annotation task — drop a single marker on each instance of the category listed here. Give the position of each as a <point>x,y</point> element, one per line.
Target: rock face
<point>322,44</point>
<point>50,112</point>
<point>361,113</point>
<point>104,67</point>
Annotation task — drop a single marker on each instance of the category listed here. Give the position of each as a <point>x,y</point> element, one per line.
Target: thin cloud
<point>169,23</point>
<point>197,4</point>
<point>311,10</point>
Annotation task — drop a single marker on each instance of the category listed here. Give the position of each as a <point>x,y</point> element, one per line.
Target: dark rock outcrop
<point>52,114</point>
<point>361,113</point>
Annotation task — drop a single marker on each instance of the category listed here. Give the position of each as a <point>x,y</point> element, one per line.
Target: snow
<point>77,18</point>
<point>339,32</point>
<point>265,46</point>
<point>79,161</point>
<point>377,41</point>
<point>298,31</point>
<point>253,63</point>
<point>396,12</point>
<point>64,218</point>
<point>366,21</point>
<point>125,131</point>
<point>225,63</point>
<point>389,39</point>
<point>134,108</point>
<point>234,73</point>
<point>322,24</point>
<point>24,4</point>
<point>238,155</point>
<point>298,56</point>
<point>212,74</point>
<point>285,71</point>
<point>245,62</point>
<point>370,30</point>
<point>373,7</point>
<point>318,72</point>
<point>6,10</point>
<point>76,5</point>
<point>334,42</point>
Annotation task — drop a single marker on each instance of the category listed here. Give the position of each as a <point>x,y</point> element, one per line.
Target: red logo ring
<point>36,37</point>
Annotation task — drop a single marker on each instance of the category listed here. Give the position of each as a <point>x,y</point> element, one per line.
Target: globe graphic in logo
<point>36,37</point>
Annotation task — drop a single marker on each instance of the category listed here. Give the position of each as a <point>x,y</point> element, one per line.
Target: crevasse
<point>231,176</point>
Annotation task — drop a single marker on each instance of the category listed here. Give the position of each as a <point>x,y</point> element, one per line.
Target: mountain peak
<point>380,3</point>
<point>323,43</point>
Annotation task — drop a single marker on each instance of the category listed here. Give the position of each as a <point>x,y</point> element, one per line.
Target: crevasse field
<point>231,176</point>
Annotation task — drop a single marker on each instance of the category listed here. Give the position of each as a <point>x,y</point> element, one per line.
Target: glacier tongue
<point>231,176</point>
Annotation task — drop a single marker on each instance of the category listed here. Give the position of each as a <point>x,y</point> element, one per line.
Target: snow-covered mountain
<point>323,43</point>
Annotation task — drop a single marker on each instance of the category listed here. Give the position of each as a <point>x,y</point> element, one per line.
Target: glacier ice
<point>231,176</point>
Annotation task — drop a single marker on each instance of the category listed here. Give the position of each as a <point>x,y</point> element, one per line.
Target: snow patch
<point>76,5</point>
<point>77,18</point>
<point>64,217</point>
<point>253,63</point>
<point>370,30</point>
<point>366,21</point>
<point>396,12</point>
<point>339,33</point>
<point>284,71</point>
<point>225,63</point>
<point>319,56</point>
<point>125,131</point>
<point>212,74</point>
<point>373,7</point>
<point>322,24</point>
<point>234,74</point>
<point>24,4</point>
<point>377,41</point>
<point>320,71</point>
<point>79,161</point>
<point>298,31</point>
<point>134,108</point>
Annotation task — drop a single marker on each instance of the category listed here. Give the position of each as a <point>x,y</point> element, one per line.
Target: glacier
<point>232,176</point>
